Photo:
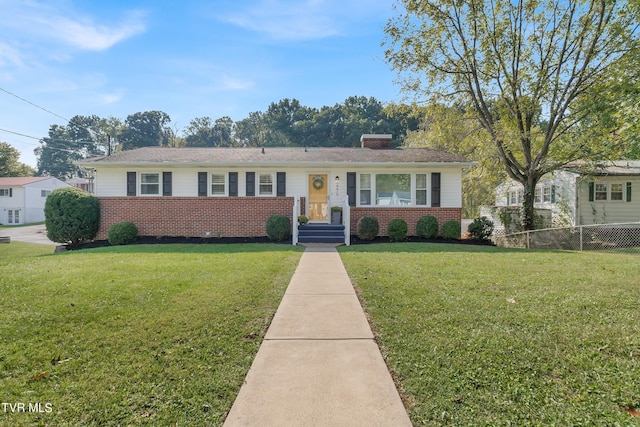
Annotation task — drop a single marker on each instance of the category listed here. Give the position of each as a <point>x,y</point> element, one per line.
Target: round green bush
<point>397,229</point>
<point>481,228</point>
<point>122,233</point>
<point>451,229</point>
<point>367,228</point>
<point>427,227</point>
<point>278,228</point>
<point>71,216</point>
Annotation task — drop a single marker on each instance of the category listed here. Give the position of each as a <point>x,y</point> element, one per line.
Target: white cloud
<point>10,55</point>
<point>235,83</point>
<point>86,35</point>
<point>288,19</point>
<point>43,24</point>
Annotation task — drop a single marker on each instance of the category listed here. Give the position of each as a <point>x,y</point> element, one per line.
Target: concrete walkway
<point>318,364</point>
<point>28,234</point>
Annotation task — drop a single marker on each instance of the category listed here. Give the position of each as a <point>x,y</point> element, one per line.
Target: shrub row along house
<point>231,192</point>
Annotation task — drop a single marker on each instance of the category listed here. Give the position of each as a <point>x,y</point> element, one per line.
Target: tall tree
<point>454,130</point>
<point>524,66</point>
<point>204,132</point>
<point>57,154</point>
<point>147,129</point>
<point>9,164</point>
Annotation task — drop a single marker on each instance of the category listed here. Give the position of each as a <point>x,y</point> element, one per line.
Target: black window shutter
<point>351,188</point>
<point>592,189</point>
<point>281,184</point>
<point>131,183</point>
<point>202,184</point>
<point>553,194</point>
<point>166,183</point>
<point>11,192</point>
<point>628,191</point>
<point>233,184</point>
<point>435,189</point>
<point>251,184</point>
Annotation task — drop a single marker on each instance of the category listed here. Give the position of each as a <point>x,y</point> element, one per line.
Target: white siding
<point>28,200</point>
<point>112,181</point>
<point>610,211</point>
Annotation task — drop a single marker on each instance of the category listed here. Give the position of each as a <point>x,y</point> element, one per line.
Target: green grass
<point>134,335</point>
<point>482,336</point>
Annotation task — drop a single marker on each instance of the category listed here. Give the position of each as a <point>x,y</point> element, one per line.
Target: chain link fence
<point>624,237</point>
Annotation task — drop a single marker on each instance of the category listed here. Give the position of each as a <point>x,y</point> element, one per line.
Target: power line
<point>35,105</point>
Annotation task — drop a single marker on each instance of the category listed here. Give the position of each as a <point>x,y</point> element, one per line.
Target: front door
<point>318,197</point>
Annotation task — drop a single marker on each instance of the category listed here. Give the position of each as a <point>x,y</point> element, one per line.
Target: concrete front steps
<point>321,233</point>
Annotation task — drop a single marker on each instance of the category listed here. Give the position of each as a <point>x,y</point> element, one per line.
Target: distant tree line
<point>284,124</point>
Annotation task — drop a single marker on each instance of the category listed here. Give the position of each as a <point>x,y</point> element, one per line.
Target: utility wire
<point>35,105</point>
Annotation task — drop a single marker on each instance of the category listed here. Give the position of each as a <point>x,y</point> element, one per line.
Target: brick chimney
<point>375,141</point>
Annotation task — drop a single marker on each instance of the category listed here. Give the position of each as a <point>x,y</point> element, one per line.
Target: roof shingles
<point>275,155</point>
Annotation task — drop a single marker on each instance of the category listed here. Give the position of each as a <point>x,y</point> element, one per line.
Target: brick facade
<point>409,214</point>
<point>234,216</point>
<point>193,216</point>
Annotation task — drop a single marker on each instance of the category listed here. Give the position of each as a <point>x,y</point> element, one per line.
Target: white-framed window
<point>4,192</point>
<point>617,192</point>
<point>265,184</point>
<point>421,189</point>
<point>150,184</point>
<point>537,197</point>
<point>515,197</point>
<point>218,184</point>
<point>546,194</point>
<point>365,189</point>
<point>393,189</point>
<point>44,193</point>
<point>13,216</point>
<point>601,191</point>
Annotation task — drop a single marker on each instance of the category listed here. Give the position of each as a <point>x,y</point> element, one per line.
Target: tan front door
<point>318,197</point>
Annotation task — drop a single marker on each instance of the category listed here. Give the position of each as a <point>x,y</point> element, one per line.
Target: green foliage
<point>148,129</point>
<point>451,229</point>
<point>427,227</point>
<point>481,228</point>
<point>71,216</point>
<point>9,164</point>
<point>278,228</point>
<point>122,233</point>
<point>529,108</point>
<point>302,219</point>
<point>397,229</point>
<point>367,228</point>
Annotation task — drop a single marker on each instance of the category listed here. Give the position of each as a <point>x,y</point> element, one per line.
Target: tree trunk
<point>527,203</point>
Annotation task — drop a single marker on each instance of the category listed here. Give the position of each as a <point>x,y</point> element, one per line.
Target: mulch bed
<point>152,240</point>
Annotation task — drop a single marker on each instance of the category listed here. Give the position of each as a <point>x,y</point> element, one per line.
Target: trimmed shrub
<point>397,229</point>
<point>427,227</point>
<point>278,228</point>
<point>71,216</point>
<point>481,228</point>
<point>451,229</point>
<point>367,228</point>
<point>122,233</point>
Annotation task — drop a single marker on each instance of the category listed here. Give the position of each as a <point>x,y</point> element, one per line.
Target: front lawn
<point>133,335</point>
<point>482,336</point>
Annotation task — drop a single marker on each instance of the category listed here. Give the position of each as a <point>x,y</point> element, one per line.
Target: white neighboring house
<point>22,198</point>
<point>577,195</point>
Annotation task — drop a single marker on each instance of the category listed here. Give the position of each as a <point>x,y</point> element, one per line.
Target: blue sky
<point>189,59</point>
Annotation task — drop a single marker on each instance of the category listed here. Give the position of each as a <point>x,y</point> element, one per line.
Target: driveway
<point>28,234</point>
